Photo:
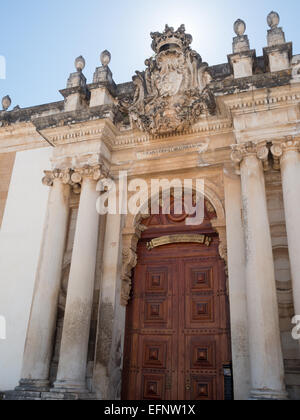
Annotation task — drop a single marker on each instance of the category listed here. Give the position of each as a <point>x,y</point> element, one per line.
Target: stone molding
<point>261,101</point>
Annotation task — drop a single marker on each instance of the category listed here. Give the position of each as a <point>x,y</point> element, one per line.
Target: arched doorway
<point>177,339</point>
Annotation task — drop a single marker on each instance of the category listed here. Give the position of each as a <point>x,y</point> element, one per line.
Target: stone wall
<point>7,161</point>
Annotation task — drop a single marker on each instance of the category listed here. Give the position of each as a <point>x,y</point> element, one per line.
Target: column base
<point>34,385</point>
<point>268,394</point>
<point>68,386</point>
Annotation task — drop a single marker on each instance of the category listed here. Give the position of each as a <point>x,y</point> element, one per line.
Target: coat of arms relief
<point>172,93</point>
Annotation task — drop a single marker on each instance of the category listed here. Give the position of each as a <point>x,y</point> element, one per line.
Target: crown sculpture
<point>172,93</point>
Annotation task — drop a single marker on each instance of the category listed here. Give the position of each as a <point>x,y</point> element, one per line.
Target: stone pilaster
<point>287,158</point>
<point>39,342</point>
<point>266,361</point>
<point>74,346</point>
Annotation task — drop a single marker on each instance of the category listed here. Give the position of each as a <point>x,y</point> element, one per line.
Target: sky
<point>40,39</point>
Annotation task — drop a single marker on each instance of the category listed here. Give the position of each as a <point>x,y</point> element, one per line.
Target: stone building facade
<point>92,311</point>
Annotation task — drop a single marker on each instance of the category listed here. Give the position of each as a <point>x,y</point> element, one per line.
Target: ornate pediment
<point>172,93</point>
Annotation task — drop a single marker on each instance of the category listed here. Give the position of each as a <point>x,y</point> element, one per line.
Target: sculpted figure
<point>150,78</point>
<point>139,93</point>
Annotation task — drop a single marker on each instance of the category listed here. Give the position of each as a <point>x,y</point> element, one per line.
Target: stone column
<point>111,313</point>
<point>266,361</point>
<point>41,329</point>
<point>237,285</point>
<point>74,346</point>
<point>288,153</point>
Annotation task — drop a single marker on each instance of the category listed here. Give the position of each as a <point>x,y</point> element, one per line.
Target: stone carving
<point>131,237</point>
<point>279,148</point>
<point>273,20</point>
<point>172,93</point>
<point>80,64</point>
<point>276,151</point>
<point>63,175</point>
<point>260,150</point>
<point>129,262</point>
<point>74,177</point>
<point>105,58</point>
<point>95,172</point>
<point>296,69</point>
<point>6,103</point>
<point>239,27</point>
<point>241,41</point>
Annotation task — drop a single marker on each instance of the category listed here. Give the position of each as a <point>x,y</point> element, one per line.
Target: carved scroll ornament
<point>172,93</point>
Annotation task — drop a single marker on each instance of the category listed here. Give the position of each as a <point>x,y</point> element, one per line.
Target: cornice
<point>261,99</point>
<point>18,137</point>
<point>217,126</point>
<point>103,130</point>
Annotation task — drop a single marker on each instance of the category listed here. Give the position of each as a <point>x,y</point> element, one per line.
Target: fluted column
<point>288,155</point>
<point>74,346</point>
<point>41,328</point>
<point>266,361</point>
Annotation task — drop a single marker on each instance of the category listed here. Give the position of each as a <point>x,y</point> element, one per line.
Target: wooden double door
<point>177,343</point>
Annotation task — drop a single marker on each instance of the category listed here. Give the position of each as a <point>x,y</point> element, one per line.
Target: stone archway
<point>134,227</point>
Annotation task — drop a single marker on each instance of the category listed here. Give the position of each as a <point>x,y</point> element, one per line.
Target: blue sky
<point>41,38</point>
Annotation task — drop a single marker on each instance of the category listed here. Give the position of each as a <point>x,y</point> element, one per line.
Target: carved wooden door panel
<point>151,334</point>
<point>204,345</point>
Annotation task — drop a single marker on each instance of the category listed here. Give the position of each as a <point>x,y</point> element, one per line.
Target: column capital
<point>64,175</point>
<point>94,172</point>
<point>244,150</point>
<point>279,148</point>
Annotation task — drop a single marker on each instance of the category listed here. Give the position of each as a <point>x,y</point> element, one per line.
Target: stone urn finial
<point>273,20</point>
<point>6,102</point>
<point>105,58</point>
<point>239,27</point>
<point>80,63</point>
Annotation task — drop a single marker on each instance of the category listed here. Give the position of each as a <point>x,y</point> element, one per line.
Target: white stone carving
<point>172,93</point>
<point>6,103</point>
<point>273,20</point>
<point>105,58</point>
<point>79,63</point>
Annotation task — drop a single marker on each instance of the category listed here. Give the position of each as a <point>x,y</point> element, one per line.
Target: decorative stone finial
<point>239,27</point>
<point>241,42</point>
<point>273,20</point>
<point>276,37</point>
<point>80,63</point>
<point>105,58</point>
<point>6,103</point>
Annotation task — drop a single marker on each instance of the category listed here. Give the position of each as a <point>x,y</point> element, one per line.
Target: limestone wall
<point>7,161</point>
<point>20,242</point>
